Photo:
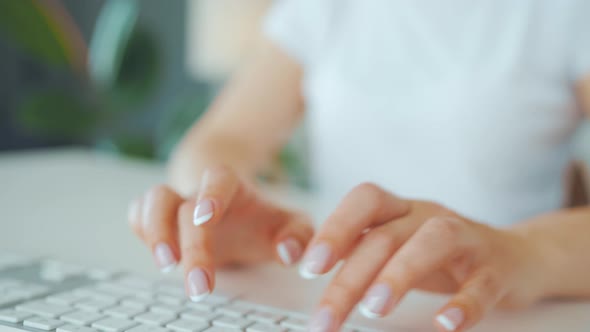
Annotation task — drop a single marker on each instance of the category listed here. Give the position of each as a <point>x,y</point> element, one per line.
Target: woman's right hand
<point>226,222</point>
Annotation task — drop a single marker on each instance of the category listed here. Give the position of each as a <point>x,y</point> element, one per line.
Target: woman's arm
<point>563,239</point>
<point>247,124</point>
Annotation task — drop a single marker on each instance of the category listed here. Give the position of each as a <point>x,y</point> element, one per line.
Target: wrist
<point>540,262</point>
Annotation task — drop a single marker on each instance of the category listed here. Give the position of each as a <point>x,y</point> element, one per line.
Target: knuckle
<point>382,239</point>
<point>490,282</point>
<point>367,189</point>
<point>407,272</point>
<point>369,194</point>
<point>192,248</point>
<point>342,292</point>
<point>158,193</point>
<point>445,228</point>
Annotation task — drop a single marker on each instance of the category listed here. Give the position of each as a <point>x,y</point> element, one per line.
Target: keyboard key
<point>220,329</point>
<point>75,328</point>
<point>202,306</point>
<point>135,302</point>
<point>42,323</point>
<point>169,299</point>
<point>260,327</point>
<point>200,316</point>
<point>135,283</point>
<point>99,274</point>
<point>66,298</point>
<point>185,325</point>
<point>154,318</point>
<point>216,299</point>
<point>44,309</point>
<point>295,324</point>
<point>148,328</point>
<point>235,310</point>
<point>95,294</point>
<point>116,290</point>
<point>162,308</point>
<point>13,316</point>
<point>31,291</point>
<point>171,289</point>
<point>112,324</point>
<point>10,299</point>
<point>95,304</point>
<point>9,284</point>
<point>232,322</point>
<point>266,317</point>
<point>81,317</point>
<point>123,311</point>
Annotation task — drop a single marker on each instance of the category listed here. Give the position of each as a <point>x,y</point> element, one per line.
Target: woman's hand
<point>392,245</point>
<point>226,223</point>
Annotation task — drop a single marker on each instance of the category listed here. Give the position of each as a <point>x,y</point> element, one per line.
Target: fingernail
<point>198,285</point>
<point>376,301</point>
<point>289,251</point>
<point>164,257</point>
<point>315,261</point>
<point>203,212</point>
<point>322,321</point>
<point>451,319</point>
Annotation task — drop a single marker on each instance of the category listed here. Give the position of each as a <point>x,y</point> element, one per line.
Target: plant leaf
<point>57,114</point>
<point>45,30</point>
<point>112,32</point>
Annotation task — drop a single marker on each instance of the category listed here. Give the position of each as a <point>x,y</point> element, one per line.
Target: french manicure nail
<point>289,251</point>
<point>164,257</point>
<point>322,321</point>
<point>203,212</point>
<point>315,261</point>
<point>451,319</point>
<point>198,284</point>
<point>376,301</point>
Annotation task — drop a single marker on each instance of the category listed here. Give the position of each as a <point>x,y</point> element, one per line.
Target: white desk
<point>71,204</point>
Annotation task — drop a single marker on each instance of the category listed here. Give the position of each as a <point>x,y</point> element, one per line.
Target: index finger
<point>197,254</point>
<point>364,207</point>
<point>218,187</point>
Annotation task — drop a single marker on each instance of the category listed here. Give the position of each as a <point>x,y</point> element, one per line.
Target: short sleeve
<point>581,41</point>
<point>298,26</point>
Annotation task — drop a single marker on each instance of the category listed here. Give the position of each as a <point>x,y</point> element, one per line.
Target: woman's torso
<point>465,102</point>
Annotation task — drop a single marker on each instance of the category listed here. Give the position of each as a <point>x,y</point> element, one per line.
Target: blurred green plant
<point>114,77</point>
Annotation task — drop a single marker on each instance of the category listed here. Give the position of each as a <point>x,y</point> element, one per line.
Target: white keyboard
<point>47,295</point>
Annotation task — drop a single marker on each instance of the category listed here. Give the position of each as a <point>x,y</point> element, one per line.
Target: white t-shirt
<point>469,103</point>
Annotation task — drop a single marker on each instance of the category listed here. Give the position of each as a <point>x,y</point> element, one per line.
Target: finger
<point>134,216</point>
<point>436,243</point>
<point>218,187</point>
<point>197,254</point>
<point>361,268</point>
<point>477,296</point>
<point>159,225</point>
<point>292,238</point>
<point>365,206</point>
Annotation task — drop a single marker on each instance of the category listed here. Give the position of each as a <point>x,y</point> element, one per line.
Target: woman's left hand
<point>392,245</point>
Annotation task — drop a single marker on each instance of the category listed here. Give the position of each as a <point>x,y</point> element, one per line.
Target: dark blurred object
<point>578,185</point>
<point>105,87</point>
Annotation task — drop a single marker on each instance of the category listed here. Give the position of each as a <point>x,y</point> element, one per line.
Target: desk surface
<point>71,204</point>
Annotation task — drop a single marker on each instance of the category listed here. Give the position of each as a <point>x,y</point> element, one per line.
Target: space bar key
<point>9,329</point>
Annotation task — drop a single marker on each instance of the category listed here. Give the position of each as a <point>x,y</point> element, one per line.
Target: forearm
<point>198,152</point>
<point>561,241</point>
<point>247,124</point>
